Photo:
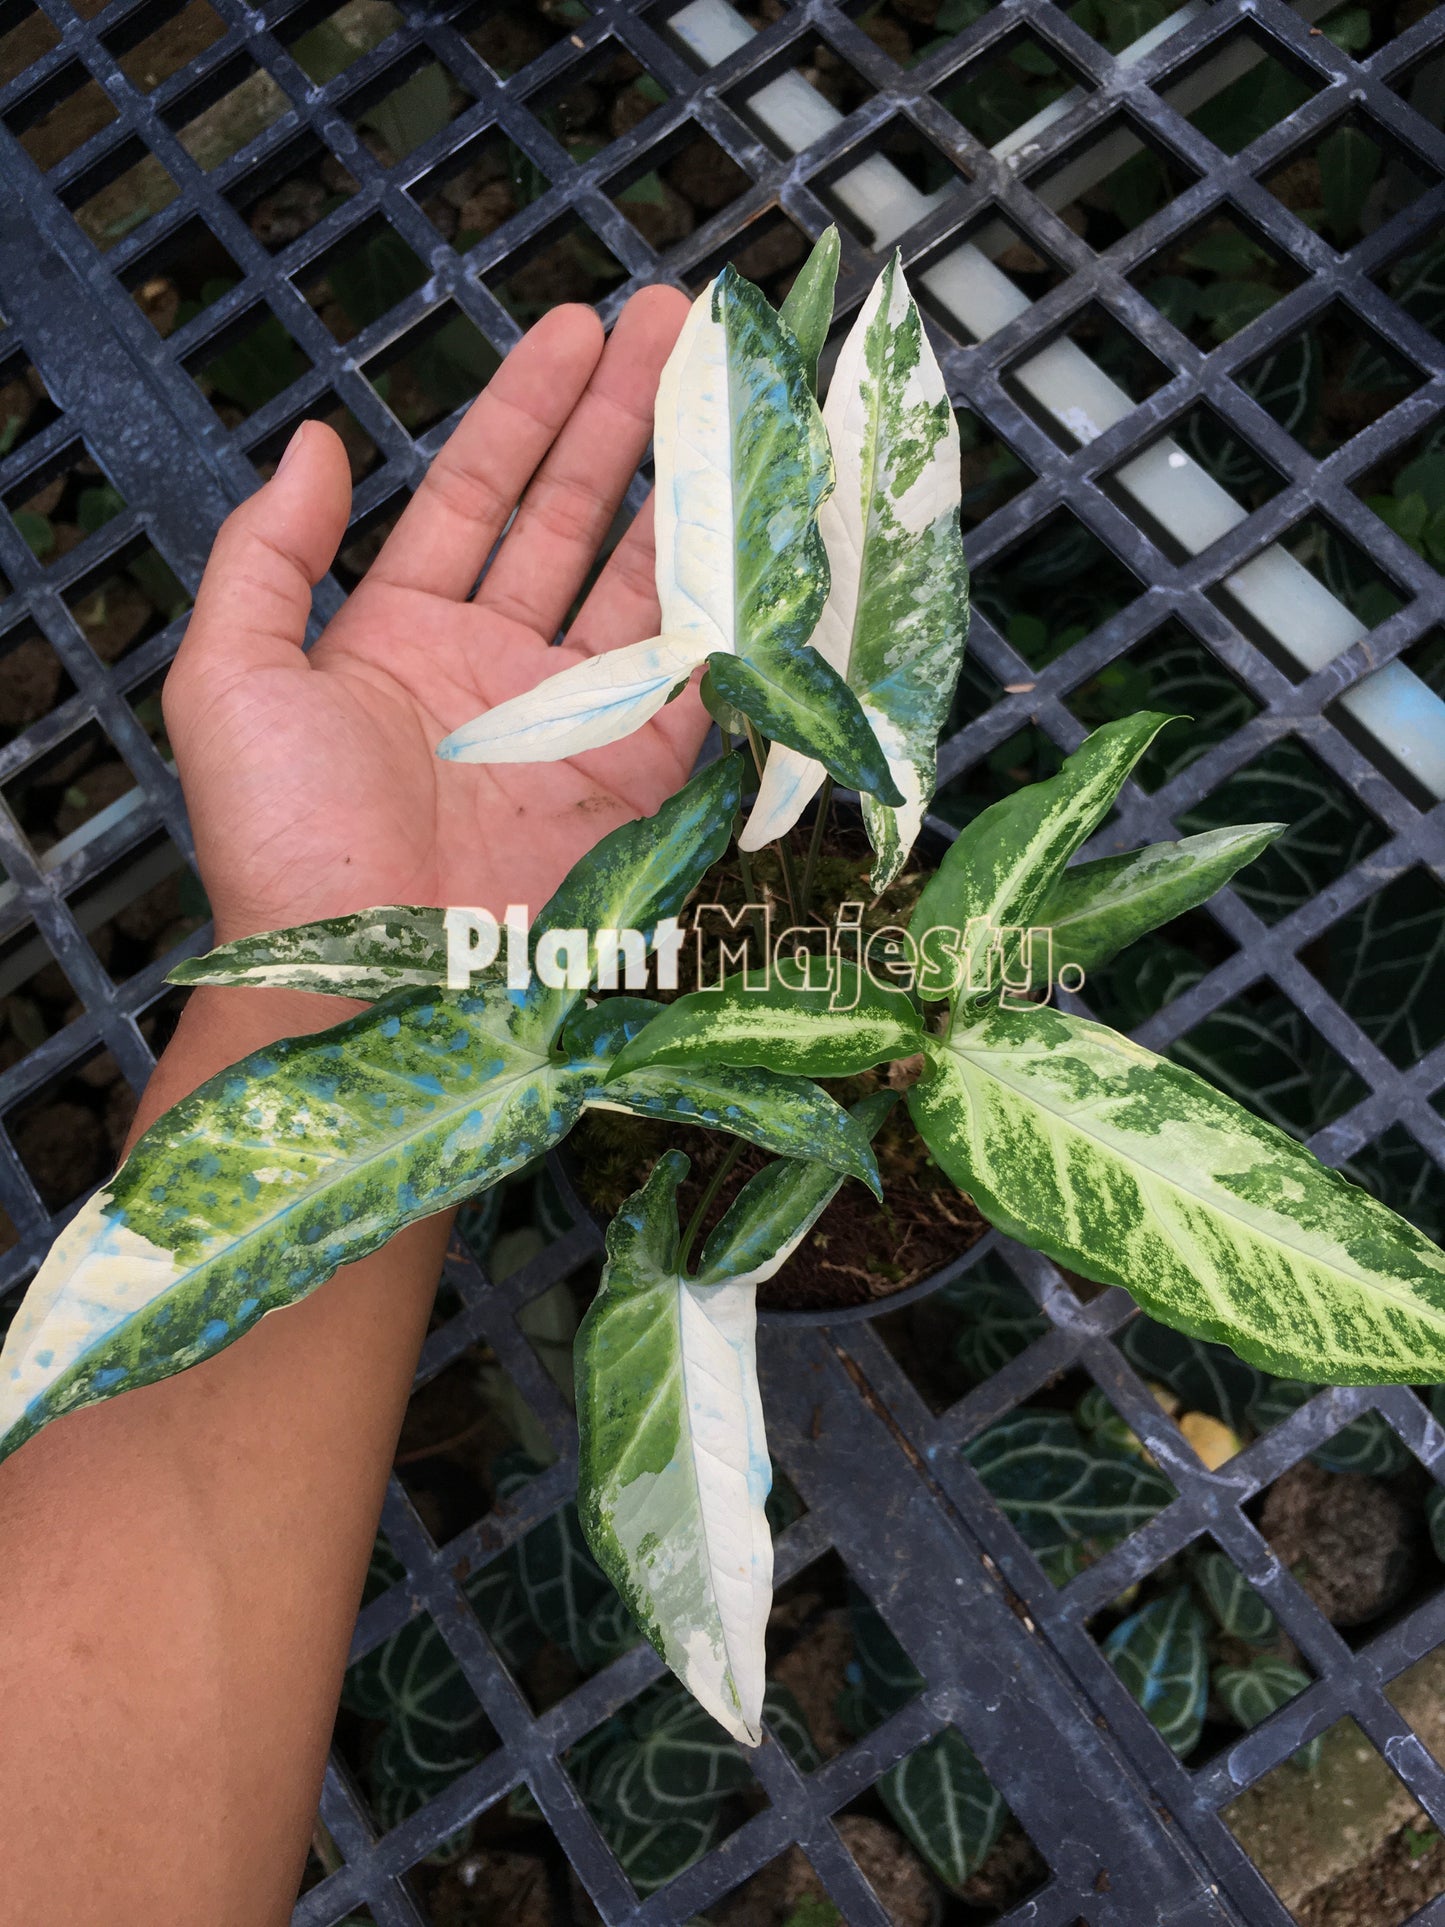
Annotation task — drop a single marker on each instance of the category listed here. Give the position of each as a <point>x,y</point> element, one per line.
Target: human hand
<point>311,779</point>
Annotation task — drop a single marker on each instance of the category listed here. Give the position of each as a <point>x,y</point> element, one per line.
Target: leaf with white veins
<point>1135,1172</point>
<point>896,618</point>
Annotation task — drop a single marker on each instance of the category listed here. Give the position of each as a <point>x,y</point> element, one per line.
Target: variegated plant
<point>812,562</point>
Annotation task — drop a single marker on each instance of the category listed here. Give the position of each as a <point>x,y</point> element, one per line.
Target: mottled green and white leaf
<point>775,1210</point>
<point>1096,909</point>
<point>259,1185</point>
<point>674,1469</point>
<point>999,871</point>
<point>789,1116</point>
<point>394,947</point>
<point>844,1026</point>
<point>1136,1172</point>
<point>896,617</point>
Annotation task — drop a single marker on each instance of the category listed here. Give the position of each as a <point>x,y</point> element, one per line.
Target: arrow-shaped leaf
<point>809,1033</point>
<point>592,702</point>
<point>1136,1172</point>
<point>1096,909</point>
<point>674,1468</point>
<point>742,464</point>
<point>896,618</point>
<point>1000,869</point>
<point>674,1472</point>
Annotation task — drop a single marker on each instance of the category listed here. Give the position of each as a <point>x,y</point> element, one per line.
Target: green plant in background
<point>810,561</point>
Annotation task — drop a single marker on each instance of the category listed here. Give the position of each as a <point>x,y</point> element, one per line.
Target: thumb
<point>255,596</point>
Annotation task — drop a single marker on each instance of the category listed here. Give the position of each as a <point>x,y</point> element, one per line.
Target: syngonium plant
<point>810,561</point>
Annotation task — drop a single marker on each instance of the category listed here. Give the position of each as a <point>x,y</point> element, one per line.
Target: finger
<point>255,596</point>
<point>622,606</point>
<point>569,508</point>
<point>448,529</point>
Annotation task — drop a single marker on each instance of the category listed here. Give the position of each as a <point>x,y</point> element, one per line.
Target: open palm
<point>312,780</point>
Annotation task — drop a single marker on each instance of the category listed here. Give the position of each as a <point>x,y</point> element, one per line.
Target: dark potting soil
<point>860,1250</point>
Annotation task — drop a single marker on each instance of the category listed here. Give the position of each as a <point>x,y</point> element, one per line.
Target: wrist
<point>218,1027</point>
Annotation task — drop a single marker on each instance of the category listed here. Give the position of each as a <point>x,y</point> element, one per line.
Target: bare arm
<point>180,1568</point>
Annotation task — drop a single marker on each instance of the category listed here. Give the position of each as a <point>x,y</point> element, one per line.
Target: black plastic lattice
<point>1129,1833</point>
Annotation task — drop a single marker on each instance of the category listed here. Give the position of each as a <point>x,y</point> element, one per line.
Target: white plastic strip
<point>1393,706</point>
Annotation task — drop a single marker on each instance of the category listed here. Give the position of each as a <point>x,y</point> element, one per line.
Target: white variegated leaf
<point>1134,1171</point>
<point>896,617</point>
<point>674,1471</point>
<point>581,707</point>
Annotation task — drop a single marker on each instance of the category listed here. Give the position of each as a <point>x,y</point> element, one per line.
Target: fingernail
<point>290,449</point>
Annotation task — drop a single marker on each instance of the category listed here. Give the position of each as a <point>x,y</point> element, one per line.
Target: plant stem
<point>785,858</point>
<point>714,1185</point>
<point>815,846</point>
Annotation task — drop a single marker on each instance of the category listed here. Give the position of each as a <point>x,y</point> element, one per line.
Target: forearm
<point>180,1572</point>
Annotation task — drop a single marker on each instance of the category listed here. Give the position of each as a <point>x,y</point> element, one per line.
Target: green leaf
<point>896,617</point>
<point>775,1210</point>
<point>98,505</point>
<point>1251,1693</point>
<point>997,1318</point>
<point>1097,909</point>
<point>1160,1654</point>
<point>786,1115</point>
<point>808,308</point>
<point>1002,867</point>
<point>35,531</point>
<point>413,112</point>
<point>394,947</point>
<point>1349,162</point>
<point>1233,1601</point>
<point>639,874</point>
<point>797,698</point>
<point>1368,1444</point>
<point>1206,1378</point>
<point>1059,1488</point>
<point>946,1805</point>
<point>1138,1173</point>
<point>673,1468</point>
<point>805,1032</point>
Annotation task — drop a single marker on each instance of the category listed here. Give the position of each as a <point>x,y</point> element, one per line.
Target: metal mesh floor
<point>444,173</point>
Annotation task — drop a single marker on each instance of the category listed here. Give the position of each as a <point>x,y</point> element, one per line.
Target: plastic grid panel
<point>1006,1657</point>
